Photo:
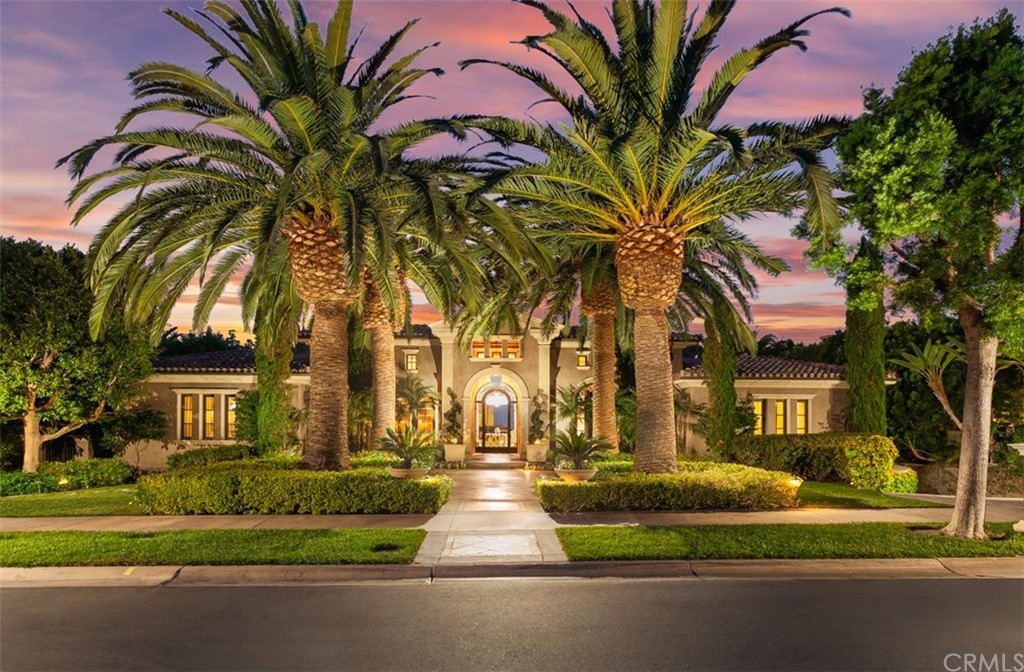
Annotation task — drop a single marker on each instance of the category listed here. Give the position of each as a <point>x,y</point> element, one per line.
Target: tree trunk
<point>326,444</point>
<point>33,441</point>
<point>605,423</point>
<point>655,427</point>
<point>382,346</point>
<point>968,520</point>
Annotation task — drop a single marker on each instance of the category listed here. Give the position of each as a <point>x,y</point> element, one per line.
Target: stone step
<point>495,461</point>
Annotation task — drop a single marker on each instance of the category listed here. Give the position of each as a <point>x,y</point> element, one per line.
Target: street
<point>518,625</point>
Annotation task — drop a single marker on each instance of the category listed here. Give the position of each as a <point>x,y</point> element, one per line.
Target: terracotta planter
<point>417,472</point>
<point>454,452</point>
<point>537,452</point>
<point>575,475</point>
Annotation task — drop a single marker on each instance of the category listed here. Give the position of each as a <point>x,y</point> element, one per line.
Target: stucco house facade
<point>497,382</point>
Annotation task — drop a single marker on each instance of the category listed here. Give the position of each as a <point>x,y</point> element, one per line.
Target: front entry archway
<point>497,402</point>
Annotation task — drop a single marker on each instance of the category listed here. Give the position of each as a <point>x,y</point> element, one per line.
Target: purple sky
<point>63,67</point>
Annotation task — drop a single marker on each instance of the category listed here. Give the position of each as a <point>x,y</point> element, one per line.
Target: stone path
<point>493,516</point>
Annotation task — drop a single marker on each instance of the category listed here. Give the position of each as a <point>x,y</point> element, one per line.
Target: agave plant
<point>577,449</point>
<point>410,446</point>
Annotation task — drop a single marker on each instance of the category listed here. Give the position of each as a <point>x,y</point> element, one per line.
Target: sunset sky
<point>62,83</point>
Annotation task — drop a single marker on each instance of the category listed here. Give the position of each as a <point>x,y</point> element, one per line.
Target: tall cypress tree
<point>720,368</point>
<point>865,342</point>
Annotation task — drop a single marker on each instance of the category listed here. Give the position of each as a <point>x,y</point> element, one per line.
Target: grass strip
<point>755,542</point>
<point>117,500</point>
<point>844,496</point>
<point>210,547</point>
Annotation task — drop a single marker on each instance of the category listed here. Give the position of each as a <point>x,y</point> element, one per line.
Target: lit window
<point>513,349</point>
<point>801,416</point>
<point>495,352</point>
<point>780,417</point>
<point>229,416</point>
<point>478,349</point>
<point>582,360</point>
<point>759,417</point>
<point>188,402</point>
<point>412,361</point>
<point>208,416</point>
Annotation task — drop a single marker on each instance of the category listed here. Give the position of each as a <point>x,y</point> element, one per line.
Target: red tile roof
<point>236,360</point>
<point>750,366</point>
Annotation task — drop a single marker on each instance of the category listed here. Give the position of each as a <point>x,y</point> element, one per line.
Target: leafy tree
<point>174,343</point>
<point>647,166</point>
<point>53,377</point>
<point>933,166</point>
<point>124,427</point>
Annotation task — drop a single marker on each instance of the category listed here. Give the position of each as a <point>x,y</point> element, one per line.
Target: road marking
<point>128,572</point>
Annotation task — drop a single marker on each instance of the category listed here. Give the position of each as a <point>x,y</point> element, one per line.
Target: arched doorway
<point>497,415</point>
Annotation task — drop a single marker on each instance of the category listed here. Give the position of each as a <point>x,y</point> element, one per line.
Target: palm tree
<point>413,393</point>
<point>652,166</point>
<point>289,174</point>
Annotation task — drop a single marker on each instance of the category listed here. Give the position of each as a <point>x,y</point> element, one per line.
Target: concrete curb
<point>697,570</point>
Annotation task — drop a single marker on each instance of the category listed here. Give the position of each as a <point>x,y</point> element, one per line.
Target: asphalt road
<point>520,625</point>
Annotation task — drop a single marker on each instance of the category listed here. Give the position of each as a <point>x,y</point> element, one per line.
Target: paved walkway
<point>494,517</point>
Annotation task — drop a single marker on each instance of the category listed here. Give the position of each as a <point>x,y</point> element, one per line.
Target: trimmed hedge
<point>704,486</point>
<point>201,457</point>
<point>904,480</point>
<point>21,483</point>
<point>284,491</point>
<point>94,473</point>
<point>373,459</point>
<point>862,460</point>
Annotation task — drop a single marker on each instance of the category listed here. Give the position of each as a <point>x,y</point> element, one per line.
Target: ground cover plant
<point>697,486</point>
<point>210,547</point>
<point>722,542</point>
<point>230,489</point>
<point>122,500</point>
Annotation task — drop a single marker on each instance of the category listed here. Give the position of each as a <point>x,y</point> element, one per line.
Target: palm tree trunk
<point>655,428</point>
<point>382,349</point>
<point>605,422</point>
<point>968,520</point>
<point>326,444</point>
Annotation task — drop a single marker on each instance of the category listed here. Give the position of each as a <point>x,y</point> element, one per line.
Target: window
<point>780,417</point>
<point>759,417</point>
<point>209,426</point>
<point>582,360</point>
<point>478,349</point>
<point>412,362</point>
<point>229,416</point>
<point>801,416</point>
<point>188,410</point>
<point>495,352</point>
<point>513,349</point>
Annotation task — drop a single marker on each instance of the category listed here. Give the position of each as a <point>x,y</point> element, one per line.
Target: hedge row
<point>862,460</point>
<point>93,473</point>
<point>21,483</point>
<point>201,457</point>
<point>284,491</point>
<point>704,487</point>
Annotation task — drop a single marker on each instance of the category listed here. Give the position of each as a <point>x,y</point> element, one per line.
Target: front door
<point>496,422</point>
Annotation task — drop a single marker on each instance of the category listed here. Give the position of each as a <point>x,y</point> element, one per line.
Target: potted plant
<point>413,450</point>
<point>573,452</point>
<point>537,448</point>
<point>454,445</point>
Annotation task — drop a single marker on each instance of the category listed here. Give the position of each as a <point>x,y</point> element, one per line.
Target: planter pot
<point>575,475</point>
<point>417,472</point>
<point>537,452</point>
<point>454,452</point>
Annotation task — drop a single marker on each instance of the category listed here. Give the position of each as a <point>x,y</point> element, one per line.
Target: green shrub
<point>200,457</point>
<point>705,486</point>
<point>374,459</point>
<point>20,483</point>
<point>283,491</point>
<point>901,481</point>
<point>862,460</point>
<point>93,473</point>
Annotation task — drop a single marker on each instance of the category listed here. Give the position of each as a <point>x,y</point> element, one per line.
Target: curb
<point>696,570</point>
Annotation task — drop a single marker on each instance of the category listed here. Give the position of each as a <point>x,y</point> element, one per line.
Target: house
<point>498,382</point>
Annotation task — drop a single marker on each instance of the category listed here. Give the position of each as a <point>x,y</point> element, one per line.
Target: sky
<point>63,67</point>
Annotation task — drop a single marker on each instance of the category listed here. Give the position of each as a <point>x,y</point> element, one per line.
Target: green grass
<point>210,547</point>
<point>725,542</point>
<point>843,496</point>
<point>117,500</point>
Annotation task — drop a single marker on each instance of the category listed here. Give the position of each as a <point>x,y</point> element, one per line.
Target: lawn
<point>843,496</point>
<point>714,542</point>
<point>210,547</point>
<point>117,500</point>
